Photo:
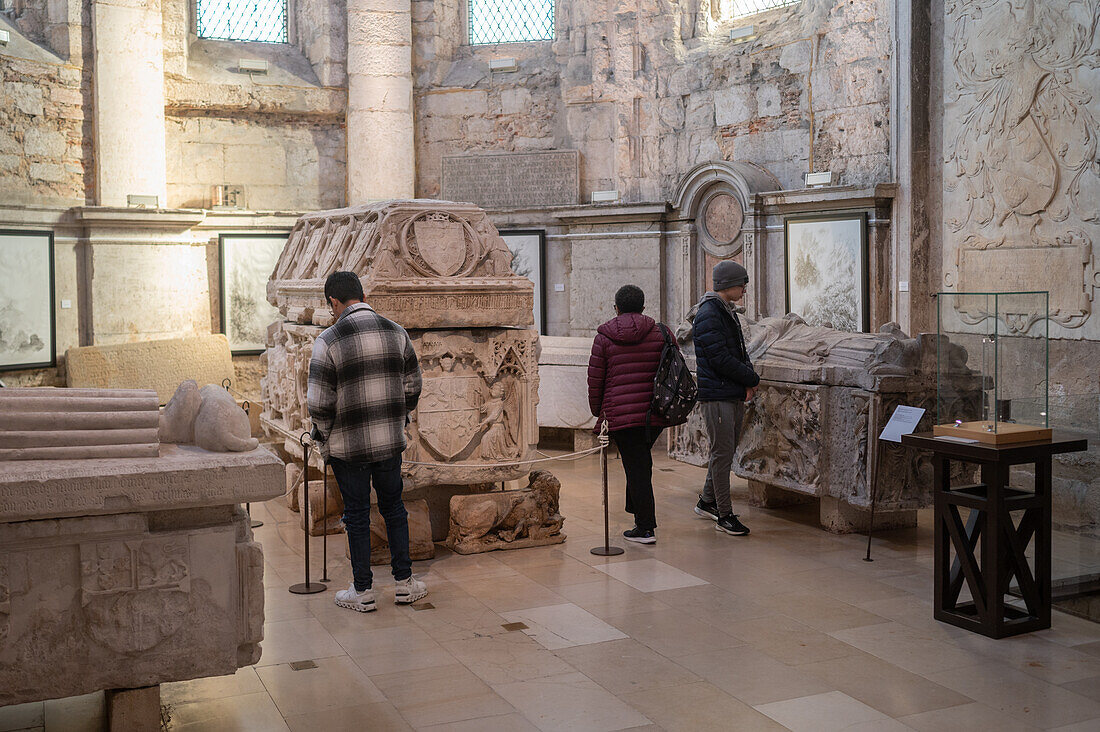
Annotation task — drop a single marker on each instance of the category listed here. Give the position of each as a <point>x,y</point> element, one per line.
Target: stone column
<point>129,101</point>
<point>381,159</point>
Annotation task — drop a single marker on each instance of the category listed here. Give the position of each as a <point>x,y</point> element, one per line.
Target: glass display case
<point>993,367</point>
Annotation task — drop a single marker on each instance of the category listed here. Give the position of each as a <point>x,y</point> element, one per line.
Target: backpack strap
<point>668,342</point>
<point>666,333</point>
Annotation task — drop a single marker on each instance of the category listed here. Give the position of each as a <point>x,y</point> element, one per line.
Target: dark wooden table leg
<point>941,470</point>
<point>1043,538</point>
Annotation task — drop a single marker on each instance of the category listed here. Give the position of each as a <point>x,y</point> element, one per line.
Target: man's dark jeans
<point>354,479</point>
<point>635,447</point>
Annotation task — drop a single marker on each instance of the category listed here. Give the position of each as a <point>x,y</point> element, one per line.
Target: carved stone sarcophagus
<point>440,270</point>
<point>812,429</point>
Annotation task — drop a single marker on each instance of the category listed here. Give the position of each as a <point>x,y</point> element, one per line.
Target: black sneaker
<point>706,510</point>
<point>731,525</point>
<point>641,536</point>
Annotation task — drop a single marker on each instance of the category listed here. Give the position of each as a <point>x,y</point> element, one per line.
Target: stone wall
<point>279,136</point>
<point>646,92</point>
<point>1015,189</point>
<point>282,166</point>
<point>45,136</point>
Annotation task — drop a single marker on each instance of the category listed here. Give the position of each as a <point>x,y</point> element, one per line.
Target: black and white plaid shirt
<point>364,378</point>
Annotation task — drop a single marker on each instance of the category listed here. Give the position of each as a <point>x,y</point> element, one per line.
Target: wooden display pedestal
<point>1007,433</point>
<point>983,532</point>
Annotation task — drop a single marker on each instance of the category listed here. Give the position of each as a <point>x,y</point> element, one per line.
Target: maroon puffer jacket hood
<point>625,355</point>
<point>628,328</point>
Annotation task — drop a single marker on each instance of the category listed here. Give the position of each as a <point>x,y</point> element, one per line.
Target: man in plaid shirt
<point>364,379</point>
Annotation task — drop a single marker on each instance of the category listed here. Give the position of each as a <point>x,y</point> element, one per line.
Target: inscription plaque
<point>513,180</point>
<point>1006,269</point>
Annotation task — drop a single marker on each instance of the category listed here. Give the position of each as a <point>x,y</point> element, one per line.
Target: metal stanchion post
<point>307,587</point>
<point>324,523</point>
<point>871,524</point>
<point>606,550</point>
<point>248,507</point>
<point>226,383</point>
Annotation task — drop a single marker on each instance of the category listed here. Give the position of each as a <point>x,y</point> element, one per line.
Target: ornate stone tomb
<point>441,270</point>
<point>121,573</point>
<point>812,429</point>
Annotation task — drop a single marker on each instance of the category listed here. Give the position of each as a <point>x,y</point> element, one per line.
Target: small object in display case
<point>992,381</point>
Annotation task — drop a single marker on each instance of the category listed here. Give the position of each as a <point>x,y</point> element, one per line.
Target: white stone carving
<point>1022,172</point>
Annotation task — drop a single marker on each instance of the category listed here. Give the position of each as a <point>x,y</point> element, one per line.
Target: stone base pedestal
<point>438,498</point>
<point>840,517</point>
<point>420,534</point>
<point>584,440</point>
<point>764,495</point>
<point>133,710</point>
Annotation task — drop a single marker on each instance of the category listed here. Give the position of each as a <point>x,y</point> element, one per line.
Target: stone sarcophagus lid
<point>423,264</point>
<point>442,271</point>
<point>812,428</point>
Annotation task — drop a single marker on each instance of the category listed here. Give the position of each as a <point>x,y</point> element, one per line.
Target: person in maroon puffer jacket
<point>625,356</point>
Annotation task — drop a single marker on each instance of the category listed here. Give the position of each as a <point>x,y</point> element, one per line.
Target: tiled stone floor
<point>784,629</point>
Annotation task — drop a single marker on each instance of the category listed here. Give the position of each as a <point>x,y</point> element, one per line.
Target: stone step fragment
<point>31,421</point>
<point>81,452</point>
<point>76,438</point>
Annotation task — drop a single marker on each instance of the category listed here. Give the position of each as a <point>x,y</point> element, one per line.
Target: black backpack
<point>674,390</point>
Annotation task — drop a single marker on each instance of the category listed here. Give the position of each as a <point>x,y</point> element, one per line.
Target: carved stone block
<point>508,519</point>
<point>424,264</point>
<point>421,545</point>
<point>477,411</point>
<point>206,359</point>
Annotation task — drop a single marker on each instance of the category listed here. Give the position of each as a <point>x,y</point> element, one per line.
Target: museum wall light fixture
<point>142,201</point>
<point>605,196</point>
<point>252,66</point>
<point>743,34</point>
<point>5,37</point>
<point>502,65</point>
<point>824,178</point>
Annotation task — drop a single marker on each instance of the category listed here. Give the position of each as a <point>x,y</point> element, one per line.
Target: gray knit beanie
<point>729,274</point>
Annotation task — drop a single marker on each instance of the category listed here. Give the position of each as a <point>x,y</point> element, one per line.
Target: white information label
<point>902,422</point>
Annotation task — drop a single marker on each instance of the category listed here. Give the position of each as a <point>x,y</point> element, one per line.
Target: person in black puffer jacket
<point>625,355</point>
<point>726,381</point>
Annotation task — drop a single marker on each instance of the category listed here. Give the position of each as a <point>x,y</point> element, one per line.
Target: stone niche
<point>123,572</point>
<point>441,270</point>
<point>812,429</point>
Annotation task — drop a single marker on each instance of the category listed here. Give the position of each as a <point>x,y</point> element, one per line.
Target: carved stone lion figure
<point>206,417</point>
<point>509,519</point>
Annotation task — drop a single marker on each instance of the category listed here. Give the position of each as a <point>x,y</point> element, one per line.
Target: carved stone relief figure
<point>784,448</point>
<point>507,519</point>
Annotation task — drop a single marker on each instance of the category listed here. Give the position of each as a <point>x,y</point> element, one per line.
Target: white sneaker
<point>362,602</point>
<point>409,590</point>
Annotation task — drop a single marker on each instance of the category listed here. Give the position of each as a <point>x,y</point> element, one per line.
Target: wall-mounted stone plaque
<point>1024,269</point>
<point>513,180</point>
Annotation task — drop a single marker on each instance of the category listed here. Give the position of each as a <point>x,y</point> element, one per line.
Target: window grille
<point>744,8</point>
<point>242,20</point>
<point>510,21</point>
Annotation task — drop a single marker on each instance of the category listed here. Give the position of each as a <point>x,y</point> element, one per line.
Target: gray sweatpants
<point>723,421</point>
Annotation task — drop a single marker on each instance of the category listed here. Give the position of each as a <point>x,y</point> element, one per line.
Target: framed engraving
<point>247,262</point>
<point>528,248</point>
<point>826,270</point>
<point>27,336</point>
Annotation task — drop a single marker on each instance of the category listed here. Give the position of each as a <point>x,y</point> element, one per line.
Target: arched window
<point>744,8</point>
<point>510,21</point>
<point>242,20</point>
